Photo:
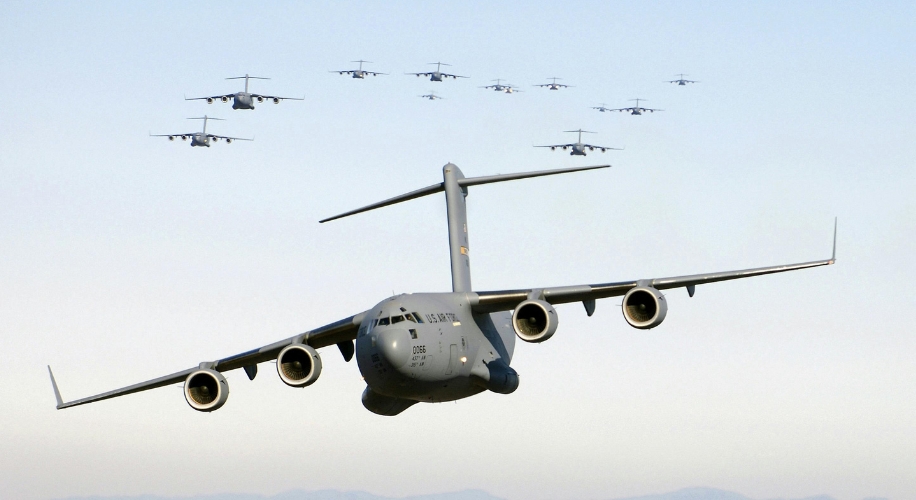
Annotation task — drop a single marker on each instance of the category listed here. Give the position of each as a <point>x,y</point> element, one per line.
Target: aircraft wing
<point>419,74</point>
<point>506,300</point>
<point>214,97</point>
<point>339,332</point>
<point>446,75</point>
<point>262,96</point>
<point>557,146</point>
<point>173,135</point>
<point>225,138</point>
<point>600,147</point>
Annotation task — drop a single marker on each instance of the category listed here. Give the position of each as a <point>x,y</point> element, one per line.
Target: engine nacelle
<point>644,307</point>
<point>206,390</point>
<point>224,99</point>
<point>603,150</point>
<point>276,100</point>
<point>228,141</point>
<point>591,148</point>
<point>534,320</point>
<point>260,99</point>
<point>184,138</point>
<point>565,148</point>
<point>171,137</point>
<point>209,100</point>
<point>299,365</point>
<point>553,148</point>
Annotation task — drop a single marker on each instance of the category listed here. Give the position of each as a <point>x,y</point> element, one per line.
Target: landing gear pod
<point>206,390</point>
<point>299,365</point>
<point>644,307</point>
<point>534,320</point>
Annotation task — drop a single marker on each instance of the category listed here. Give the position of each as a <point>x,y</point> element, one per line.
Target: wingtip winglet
<point>60,402</point>
<point>833,255</point>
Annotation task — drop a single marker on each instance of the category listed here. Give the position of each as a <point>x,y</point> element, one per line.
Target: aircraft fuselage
<point>359,74</point>
<point>242,100</point>
<point>200,140</point>
<point>577,150</point>
<point>435,76</point>
<point>431,347</point>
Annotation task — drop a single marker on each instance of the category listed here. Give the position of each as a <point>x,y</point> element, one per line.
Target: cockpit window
<point>396,319</point>
<point>409,317</point>
<point>382,321</point>
<point>417,316</point>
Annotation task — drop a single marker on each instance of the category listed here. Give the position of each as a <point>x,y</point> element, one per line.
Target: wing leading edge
<point>339,332</point>
<point>505,300</point>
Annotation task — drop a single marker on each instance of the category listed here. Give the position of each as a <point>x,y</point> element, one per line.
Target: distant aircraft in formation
<point>553,85</point>
<point>431,96</point>
<point>680,80</point>
<point>633,110</point>
<point>202,138</point>
<point>358,73</point>
<point>244,99</point>
<point>437,76</point>
<point>435,347</point>
<point>500,87</point>
<point>578,148</point>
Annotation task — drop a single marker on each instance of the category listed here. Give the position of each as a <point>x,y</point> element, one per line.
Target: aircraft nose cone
<point>394,345</point>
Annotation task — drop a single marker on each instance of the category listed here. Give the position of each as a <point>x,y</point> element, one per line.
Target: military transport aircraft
<point>633,110</point>
<point>431,96</point>
<point>359,73</point>
<point>502,87</point>
<point>437,76</point>
<point>578,148</point>
<point>435,347</point>
<point>202,138</point>
<point>680,80</point>
<point>554,85</point>
<point>244,99</point>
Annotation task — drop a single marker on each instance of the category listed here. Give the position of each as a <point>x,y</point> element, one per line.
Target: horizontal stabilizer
<point>469,181</point>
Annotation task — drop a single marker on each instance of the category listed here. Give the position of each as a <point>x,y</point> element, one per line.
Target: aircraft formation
<point>433,347</point>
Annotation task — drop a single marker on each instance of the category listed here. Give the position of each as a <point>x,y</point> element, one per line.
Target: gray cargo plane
<point>358,73</point>
<point>431,96</point>
<point>554,85</point>
<point>437,76</point>
<point>578,148</point>
<point>435,347</point>
<point>633,110</point>
<point>202,138</point>
<point>680,80</point>
<point>502,87</point>
<point>244,99</point>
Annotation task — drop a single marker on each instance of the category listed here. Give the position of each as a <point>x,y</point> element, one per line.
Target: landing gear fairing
<point>434,347</point>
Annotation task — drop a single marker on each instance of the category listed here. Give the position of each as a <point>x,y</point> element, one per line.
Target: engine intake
<point>644,307</point>
<point>206,390</point>
<point>534,320</point>
<point>299,365</point>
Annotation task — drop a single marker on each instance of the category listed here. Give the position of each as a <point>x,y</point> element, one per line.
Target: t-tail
<point>455,185</point>
<point>205,118</point>
<point>246,77</point>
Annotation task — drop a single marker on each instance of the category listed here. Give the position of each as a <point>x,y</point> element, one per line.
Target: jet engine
<point>534,320</point>
<point>565,148</point>
<point>171,137</point>
<point>215,139</point>
<point>224,99</point>
<point>209,100</point>
<point>206,390</point>
<point>298,365</point>
<point>228,141</point>
<point>603,150</point>
<point>184,138</point>
<point>591,148</point>
<point>276,100</point>
<point>553,148</point>
<point>260,99</point>
<point>644,307</point>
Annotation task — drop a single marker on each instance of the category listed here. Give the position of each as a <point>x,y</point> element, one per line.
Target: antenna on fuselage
<point>455,185</point>
<point>247,77</point>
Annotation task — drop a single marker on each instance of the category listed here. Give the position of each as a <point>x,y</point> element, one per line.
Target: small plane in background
<point>680,80</point>
<point>202,138</point>
<point>633,110</point>
<point>501,87</point>
<point>437,76</point>
<point>244,99</point>
<point>578,147</point>
<point>359,73</point>
<point>554,85</point>
<point>431,96</point>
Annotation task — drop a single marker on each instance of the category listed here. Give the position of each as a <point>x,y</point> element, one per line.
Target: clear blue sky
<point>127,257</point>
